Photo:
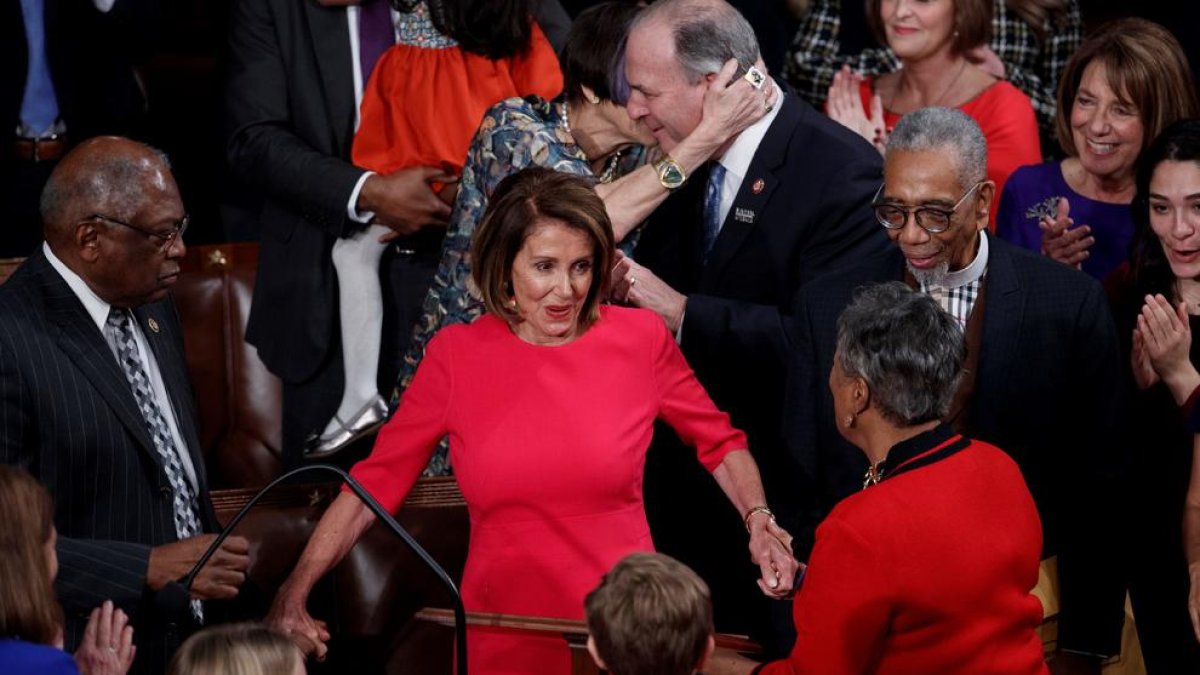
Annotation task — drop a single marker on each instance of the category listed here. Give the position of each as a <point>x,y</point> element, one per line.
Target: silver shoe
<point>369,418</point>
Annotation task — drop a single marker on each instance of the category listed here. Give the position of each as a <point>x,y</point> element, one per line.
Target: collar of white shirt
<point>96,308</point>
<point>738,156</point>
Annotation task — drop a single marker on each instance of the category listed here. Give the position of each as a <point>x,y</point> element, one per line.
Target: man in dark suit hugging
<point>1042,374</point>
<point>95,402</point>
<point>784,202</point>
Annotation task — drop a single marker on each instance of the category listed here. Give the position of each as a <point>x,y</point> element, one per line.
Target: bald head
<point>107,175</point>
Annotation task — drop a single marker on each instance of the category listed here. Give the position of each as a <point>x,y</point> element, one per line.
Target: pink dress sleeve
<point>842,612</point>
<point>407,441</point>
<point>685,405</point>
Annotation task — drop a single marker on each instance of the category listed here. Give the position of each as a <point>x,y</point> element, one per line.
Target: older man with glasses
<point>1042,373</point>
<point>95,402</point>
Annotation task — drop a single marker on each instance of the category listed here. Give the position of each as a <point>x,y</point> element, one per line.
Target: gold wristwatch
<point>670,174</point>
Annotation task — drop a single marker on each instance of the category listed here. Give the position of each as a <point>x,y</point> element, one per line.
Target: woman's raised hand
<point>844,105</point>
<point>107,645</point>
<point>731,105</point>
<point>1167,335</point>
<point>1061,242</point>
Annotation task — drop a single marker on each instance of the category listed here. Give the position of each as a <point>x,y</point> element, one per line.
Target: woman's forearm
<point>632,198</point>
<point>336,533</point>
<point>739,479</point>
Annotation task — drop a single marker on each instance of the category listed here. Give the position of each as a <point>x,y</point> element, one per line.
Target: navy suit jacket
<point>68,416</point>
<point>1047,392</point>
<point>802,211</point>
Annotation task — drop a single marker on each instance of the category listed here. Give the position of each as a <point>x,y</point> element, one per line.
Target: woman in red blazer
<point>929,568</point>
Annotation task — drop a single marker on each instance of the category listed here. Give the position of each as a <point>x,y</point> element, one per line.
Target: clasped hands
<point>771,550</point>
<point>1162,343</point>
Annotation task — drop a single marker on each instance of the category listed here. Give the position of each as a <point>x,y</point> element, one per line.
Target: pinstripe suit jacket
<point>68,416</point>
<point>1047,391</point>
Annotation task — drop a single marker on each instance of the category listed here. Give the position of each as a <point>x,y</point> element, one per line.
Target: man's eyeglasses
<point>932,219</point>
<point>165,239</point>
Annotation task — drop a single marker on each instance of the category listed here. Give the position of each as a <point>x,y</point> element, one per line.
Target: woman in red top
<point>932,39</point>
<point>549,401</point>
<point>929,568</point>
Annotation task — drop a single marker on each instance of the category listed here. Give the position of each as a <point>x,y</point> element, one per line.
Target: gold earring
<point>849,421</point>
<point>593,99</point>
<point>512,302</point>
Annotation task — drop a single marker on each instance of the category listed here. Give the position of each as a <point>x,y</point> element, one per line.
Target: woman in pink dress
<point>549,401</point>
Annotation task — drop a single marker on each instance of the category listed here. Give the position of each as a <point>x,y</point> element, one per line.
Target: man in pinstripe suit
<point>94,398</point>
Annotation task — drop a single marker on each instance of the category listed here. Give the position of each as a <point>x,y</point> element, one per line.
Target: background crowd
<point>908,284</point>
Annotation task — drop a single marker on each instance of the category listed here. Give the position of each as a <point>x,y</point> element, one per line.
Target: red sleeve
<point>407,441</point>
<point>1006,117</point>
<point>843,610</point>
<point>685,405</point>
<point>536,70</point>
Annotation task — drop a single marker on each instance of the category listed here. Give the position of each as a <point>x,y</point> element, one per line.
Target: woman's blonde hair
<point>28,609</point>
<point>236,649</point>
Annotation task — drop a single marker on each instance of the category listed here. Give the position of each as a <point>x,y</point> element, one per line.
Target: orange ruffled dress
<point>426,96</point>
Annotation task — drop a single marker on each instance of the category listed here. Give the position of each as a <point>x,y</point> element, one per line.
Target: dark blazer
<point>68,416</point>
<point>91,55</point>
<point>808,188</point>
<point>1047,392</point>
<point>289,107</point>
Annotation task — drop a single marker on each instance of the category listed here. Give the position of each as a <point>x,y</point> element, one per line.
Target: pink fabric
<point>548,445</point>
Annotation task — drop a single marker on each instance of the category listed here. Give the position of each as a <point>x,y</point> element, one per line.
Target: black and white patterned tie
<point>187,523</point>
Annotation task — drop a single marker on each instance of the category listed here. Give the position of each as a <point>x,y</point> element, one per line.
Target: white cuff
<point>352,206</point>
<point>104,5</point>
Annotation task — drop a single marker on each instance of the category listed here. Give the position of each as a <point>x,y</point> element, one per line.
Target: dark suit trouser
<point>308,405</point>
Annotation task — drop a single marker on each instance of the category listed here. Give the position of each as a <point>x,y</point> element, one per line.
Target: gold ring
<point>632,281</point>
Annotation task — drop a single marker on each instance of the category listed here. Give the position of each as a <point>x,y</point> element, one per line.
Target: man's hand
<point>636,285</point>
<point>1062,242</point>
<point>220,577</point>
<point>107,644</point>
<point>404,201</point>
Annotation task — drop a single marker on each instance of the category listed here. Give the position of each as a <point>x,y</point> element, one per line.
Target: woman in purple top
<point>1109,109</point>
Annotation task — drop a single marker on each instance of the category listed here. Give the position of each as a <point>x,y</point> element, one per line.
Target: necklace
<point>610,167</point>
<point>873,475</point>
<point>941,97</point>
<point>566,118</point>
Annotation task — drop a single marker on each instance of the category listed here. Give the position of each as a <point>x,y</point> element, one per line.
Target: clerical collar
<point>971,273</point>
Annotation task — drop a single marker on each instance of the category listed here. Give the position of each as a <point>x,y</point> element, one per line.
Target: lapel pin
<point>743,215</point>
<point>153,324</point>
<point>758,186</point>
